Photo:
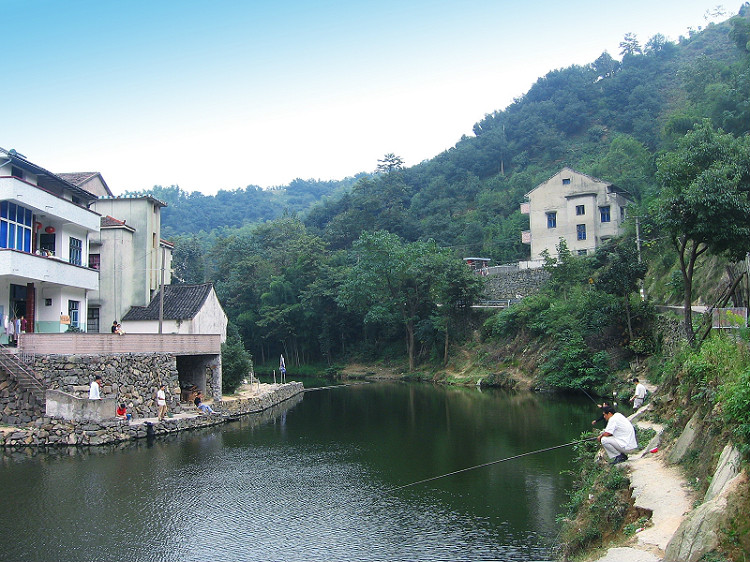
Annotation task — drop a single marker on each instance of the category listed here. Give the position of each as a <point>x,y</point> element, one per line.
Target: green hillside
<point>289,263</point>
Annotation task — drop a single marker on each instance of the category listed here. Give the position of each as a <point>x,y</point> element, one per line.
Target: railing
<point>103,344</point>
<point>24,375</point>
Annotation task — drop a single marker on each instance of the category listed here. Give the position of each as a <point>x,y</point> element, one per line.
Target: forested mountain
<point>291,283</point>
<point>195,212</point>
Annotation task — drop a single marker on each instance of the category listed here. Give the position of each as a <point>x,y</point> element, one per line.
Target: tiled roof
<point>181,302</point>
<point>108,221</point>
<point>77,178</point>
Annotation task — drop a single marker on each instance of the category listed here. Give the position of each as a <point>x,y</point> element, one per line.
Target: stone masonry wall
<point>514,284</point>
<point>17,405</point>
<point>47,431</point>
<point>128,377</point>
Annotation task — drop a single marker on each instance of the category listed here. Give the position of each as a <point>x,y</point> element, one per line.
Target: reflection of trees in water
<point>204,438</point>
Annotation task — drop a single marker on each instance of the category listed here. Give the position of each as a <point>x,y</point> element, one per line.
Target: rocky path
<point>661,489</point>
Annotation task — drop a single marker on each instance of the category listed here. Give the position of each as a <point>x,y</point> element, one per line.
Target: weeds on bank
<point>599,502</point>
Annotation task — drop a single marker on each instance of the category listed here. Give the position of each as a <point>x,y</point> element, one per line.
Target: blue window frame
<point>580,209</point>
<point>552,220</point>
<point>15,226</point>
<point>581,231</point>
<point>604,213</point>
<point>76,251</point>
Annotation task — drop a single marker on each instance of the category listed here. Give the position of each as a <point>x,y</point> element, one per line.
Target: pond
<point>329,475</point>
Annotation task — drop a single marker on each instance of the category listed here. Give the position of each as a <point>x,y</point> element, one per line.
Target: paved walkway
<point>661,489</point>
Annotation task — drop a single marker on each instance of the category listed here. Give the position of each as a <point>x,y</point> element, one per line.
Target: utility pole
<point>161,291</point>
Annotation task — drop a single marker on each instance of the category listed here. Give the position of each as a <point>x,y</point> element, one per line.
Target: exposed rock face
<point>700,531</point>
<point>688,436</point>
<point>726,470</point>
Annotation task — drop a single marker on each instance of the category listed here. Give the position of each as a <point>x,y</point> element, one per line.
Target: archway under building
<point>199,373</point>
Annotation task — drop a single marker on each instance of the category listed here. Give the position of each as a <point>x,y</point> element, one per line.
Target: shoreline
<point>56,432</point>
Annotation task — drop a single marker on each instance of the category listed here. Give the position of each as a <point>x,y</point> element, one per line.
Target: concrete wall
<point>69,407</point>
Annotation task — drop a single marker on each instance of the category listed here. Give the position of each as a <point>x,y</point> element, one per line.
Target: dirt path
<point>661,489</point>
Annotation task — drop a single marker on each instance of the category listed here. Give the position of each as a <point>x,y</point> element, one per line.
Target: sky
<point>230,93</point>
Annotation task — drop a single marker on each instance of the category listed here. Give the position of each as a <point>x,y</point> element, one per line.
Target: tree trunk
<point>445,350</point>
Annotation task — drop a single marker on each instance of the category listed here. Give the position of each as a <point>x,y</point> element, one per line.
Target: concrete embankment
<point>50,431</point>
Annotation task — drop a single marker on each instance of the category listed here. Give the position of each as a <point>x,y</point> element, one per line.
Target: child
<point>122,412</point>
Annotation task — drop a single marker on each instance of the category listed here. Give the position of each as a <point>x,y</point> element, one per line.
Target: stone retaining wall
<point>254,404</point>
<point>47,431</point>
<point>514,284</point>
<point>17,405</point>
<point>132,378</point>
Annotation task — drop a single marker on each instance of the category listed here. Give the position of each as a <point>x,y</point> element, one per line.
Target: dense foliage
<point>370,266</point>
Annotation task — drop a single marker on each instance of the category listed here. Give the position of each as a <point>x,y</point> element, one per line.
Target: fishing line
<point>587,394</point>
<point>368,502</point>
<point>489,464</point>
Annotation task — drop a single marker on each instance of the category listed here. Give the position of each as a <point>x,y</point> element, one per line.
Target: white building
<point>45,233</point>
<point>582,210</point>
<point>185,309</point>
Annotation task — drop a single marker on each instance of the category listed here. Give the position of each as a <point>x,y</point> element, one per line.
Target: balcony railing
<point>106,344</point>
<point>51,269</point>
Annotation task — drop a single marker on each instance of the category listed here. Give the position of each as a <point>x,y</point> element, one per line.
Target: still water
<point>317,478</point>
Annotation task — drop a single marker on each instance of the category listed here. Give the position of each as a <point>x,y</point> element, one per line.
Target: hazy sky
<point>223,94</point>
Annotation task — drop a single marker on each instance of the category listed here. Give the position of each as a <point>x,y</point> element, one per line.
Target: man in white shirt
<point>618,438</point>
<point>640,394</point>
<point>161,401</point>
<point>95,388</point>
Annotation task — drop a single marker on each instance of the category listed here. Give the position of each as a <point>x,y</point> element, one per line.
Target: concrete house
<point>185,309</point>
<point>582,210</point>
<point>45,234</point>
<point>130,256</point>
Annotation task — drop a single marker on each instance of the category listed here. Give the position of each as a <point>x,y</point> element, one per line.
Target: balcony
<point>42,201</point>
<point>35,268</point>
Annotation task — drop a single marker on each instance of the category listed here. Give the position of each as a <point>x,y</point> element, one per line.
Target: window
<point>73,313</point>
<point>604,212</point>
<point>94,261</point>
<point>580,209</point>
<point>75,251</point>
<point>47,302</point>
<point>16,172</point>
<point>15,227</point>
<point>622,213</point>
<point>552,220</point>
<point>582,252</point>
<point>581,231</point>
<point>92,320</point>
<point>47,244</point>
<point>566,181</point>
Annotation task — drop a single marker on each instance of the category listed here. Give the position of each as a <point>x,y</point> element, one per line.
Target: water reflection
<point>313,479</point>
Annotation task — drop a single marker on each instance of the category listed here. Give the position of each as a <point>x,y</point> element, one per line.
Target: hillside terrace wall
<point>513,283</point>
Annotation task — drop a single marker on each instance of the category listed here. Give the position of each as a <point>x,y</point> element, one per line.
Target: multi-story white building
<point>45,232</point>
<point>582,210</point>
<point>130,255</point>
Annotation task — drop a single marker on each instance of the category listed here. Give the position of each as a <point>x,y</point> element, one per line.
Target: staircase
<point>22,374</point>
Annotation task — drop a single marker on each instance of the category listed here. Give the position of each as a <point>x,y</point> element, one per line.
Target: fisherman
<point>640,394</point>
<point>618,438</point>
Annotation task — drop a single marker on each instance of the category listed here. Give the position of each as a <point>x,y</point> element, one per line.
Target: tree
<point>397,284</point>
<point>236,362</point>
<point>630,45</point>
<point>390,163</point>
<point>620,272</point>
<point>704,206</point>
